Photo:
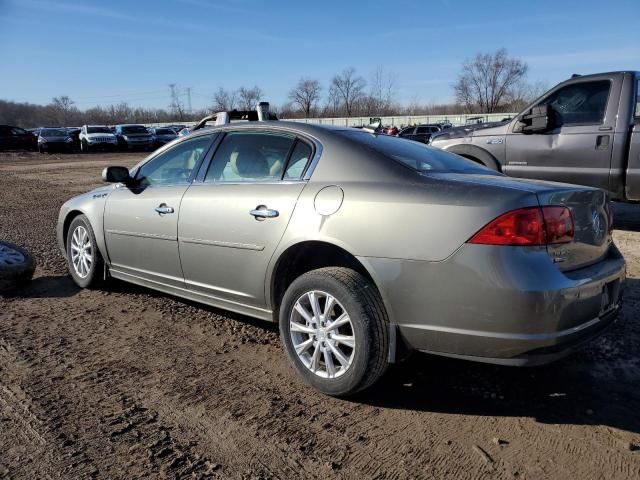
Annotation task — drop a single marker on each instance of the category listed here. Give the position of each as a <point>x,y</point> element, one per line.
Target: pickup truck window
<point>581,103</point>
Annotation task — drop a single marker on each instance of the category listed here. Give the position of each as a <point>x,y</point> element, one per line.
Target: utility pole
<point>189,100</point>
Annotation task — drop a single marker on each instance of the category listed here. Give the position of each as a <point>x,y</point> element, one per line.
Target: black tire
<point>84,147</point>
<point>16,266</point>
<point>95,271</point>
<point>369,323</point>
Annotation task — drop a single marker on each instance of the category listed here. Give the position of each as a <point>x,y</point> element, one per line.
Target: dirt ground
<point>127,383</point>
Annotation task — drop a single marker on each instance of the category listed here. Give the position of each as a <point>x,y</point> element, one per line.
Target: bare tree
<point>306,95</point>
<point>224,100</point>
<point>249,97</point>
<point>349,87</point>
<point>177,105</point>
<point>64,109</point>
<point>381,90</point>
<point>485,82</point>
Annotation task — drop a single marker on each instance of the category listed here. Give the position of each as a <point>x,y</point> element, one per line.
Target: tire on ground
<point>16,266</point>
<point>94,277</point>
<point>363,304</point>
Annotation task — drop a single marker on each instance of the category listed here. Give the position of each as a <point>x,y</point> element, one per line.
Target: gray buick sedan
<point>362,246</point>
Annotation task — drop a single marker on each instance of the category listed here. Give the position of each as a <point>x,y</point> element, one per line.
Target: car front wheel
<point>334,328</point>
<point>84,260</point>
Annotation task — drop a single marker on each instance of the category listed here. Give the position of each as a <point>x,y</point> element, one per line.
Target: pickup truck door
<point>233,219</point>
<point>578,147</point>
<point>141,220</point>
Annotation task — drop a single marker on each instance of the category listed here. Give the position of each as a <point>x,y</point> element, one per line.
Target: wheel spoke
<point>338,322</point>
<point>338,354</point>
<point>313,300</point>
<point>328,306</point>
<point>304,346</point>
<point>347,340</point>
<point>328,362</point>
<point>298,327</point>
<point>303,312</point>
<point>315,359</point>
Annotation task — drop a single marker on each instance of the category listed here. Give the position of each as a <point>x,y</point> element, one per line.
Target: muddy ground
<point>126,383</point>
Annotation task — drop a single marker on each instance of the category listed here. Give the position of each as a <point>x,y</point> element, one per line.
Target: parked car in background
<point>96,137</point>
<point>176,128</point>
<point>419,133</point>
<point>392,130</point>
<point>16,138</point>
<point>74,133</point>
<point>54,140</point>
<point>272,220</point>
<point>585,130</point>
<point>132,137</point>
<point>162,136</point>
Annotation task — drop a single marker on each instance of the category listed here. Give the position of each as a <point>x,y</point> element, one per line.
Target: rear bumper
<point>506,305</point>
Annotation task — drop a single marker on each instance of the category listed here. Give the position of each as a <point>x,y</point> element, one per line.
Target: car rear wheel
<point>333,326</point>
<point>83,257</point>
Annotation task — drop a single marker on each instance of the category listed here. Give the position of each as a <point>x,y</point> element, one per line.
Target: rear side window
<point>299,158</point>
<point>250,157</point>
<point>582,103</point>
<point>414,155</point>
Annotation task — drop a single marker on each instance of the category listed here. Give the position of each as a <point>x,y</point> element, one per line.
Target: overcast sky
<point>105,52</point>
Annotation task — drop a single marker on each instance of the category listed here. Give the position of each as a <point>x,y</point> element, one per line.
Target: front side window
<point>176,165</point>
<point>581,103</point>
<point>422,130</point>
<point>407,131</point>
<point>250,157</point>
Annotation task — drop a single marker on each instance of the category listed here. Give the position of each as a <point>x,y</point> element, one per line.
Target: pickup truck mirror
<point>116,175</point>
<point>536,120</point>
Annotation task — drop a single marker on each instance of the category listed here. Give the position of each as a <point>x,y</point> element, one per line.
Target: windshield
<point>134,129</point>
<point>414,155</point>
<point>98,130</point>
<point>164,131</point>
<point>53,132</point>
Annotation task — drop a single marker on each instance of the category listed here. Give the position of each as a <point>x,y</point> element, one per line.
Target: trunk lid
<point>591,216</point>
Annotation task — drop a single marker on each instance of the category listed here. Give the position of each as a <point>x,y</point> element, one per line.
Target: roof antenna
<point>575,75</point>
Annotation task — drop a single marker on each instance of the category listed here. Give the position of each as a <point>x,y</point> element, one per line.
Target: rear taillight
<point>528,226</point>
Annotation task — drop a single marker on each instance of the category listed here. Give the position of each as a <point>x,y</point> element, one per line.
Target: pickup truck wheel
<point>334,329</point>
<point>84,146</point>
<point>16,266</point>
<point>83,257</point>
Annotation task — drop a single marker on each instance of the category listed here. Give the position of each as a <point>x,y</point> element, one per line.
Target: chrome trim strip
<point>142,235</point>
<point>218,289</point>
<point>195,295</point>
<point>219,243</point>
<point>147,272</point>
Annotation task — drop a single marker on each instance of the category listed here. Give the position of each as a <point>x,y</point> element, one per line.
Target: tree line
<point>488,83</point>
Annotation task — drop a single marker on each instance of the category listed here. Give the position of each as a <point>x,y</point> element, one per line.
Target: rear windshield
<point>53,132</point>
<point>414,155</point>
<point>98,130</point>
<point>164,131</point>
<point>134,129</point>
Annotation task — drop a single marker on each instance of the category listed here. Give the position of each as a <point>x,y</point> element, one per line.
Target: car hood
<point>55,139</point>
<point>100,135</point>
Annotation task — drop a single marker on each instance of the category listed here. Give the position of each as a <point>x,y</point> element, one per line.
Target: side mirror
<point>537,120</point>
<point>116,175</point>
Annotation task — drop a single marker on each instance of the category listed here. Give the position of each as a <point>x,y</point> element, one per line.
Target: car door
<point>578,147</point>
<point>232,221</point>
<point>141,220</point>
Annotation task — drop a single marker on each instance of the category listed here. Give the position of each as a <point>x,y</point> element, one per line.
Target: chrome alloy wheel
<point>322,334</point>
<point>81,251</point>
<point>10,256</point>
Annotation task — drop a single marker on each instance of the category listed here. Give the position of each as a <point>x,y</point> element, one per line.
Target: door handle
<point>162,209</point>
<point>602,142</point>
<point>261,212</point>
